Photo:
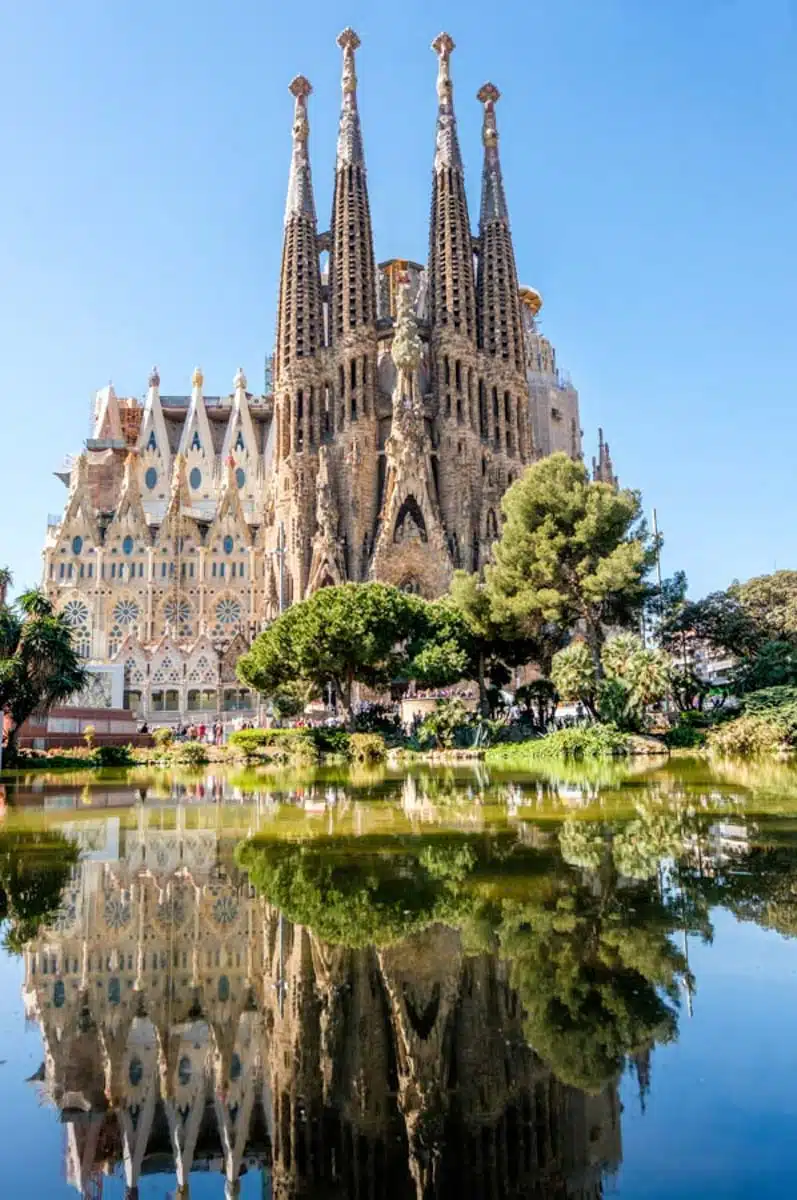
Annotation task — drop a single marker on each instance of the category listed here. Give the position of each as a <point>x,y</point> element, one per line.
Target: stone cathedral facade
<point>402,401</point>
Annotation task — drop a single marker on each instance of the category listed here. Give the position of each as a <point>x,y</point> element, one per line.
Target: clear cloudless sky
<point>649,158</point>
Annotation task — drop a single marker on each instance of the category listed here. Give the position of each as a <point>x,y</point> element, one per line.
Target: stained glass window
<point>228,612</point>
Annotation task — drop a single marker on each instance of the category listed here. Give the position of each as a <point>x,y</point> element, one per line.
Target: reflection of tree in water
<point>34,869</point>
<point>589,948</point>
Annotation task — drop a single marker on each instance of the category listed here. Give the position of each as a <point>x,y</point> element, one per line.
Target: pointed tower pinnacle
<point>352,273</point>
<point>299,320</point>
<point>498,299</point>
<point>452,296</point>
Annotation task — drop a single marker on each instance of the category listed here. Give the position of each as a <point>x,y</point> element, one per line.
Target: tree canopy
<point>38,663</point>
<point>339,635</point>
<point>633,677</point>
<point>571,550</point>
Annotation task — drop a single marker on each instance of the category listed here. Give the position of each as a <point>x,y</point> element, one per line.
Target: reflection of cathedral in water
<point>186,1028</point>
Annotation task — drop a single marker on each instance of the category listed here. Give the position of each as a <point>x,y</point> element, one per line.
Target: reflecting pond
<point>413,983</point>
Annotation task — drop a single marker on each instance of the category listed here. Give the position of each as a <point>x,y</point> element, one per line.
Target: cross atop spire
<point>493,205</point>
<point>350,141</point>
<point>447,153</point>
<point>300,186</point>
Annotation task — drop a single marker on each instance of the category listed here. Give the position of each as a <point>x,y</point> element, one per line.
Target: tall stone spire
<point>451,291</point>
<point>352,274</point>
<point>498,300</point>
<point>300,320</point>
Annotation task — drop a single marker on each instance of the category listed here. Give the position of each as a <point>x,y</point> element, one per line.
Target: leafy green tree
<point>770,602</point>
<point>719,619</point>
<point>571,550</point>
<point>339,635</point>
<point>38,663</point>
<point>444,723</point>
<point>494,643</point>
<point>774,664</point>
<point>574,677</point>
<point>633,678</point>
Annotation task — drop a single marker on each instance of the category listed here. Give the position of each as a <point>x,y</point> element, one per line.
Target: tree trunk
<point>344,687</point>
<point>10,748</point>
<point>484,707</point>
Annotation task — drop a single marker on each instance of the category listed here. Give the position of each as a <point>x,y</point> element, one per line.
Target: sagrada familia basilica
<point>402,402</point>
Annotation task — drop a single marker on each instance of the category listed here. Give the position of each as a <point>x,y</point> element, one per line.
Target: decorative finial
<point>489,95</point>
<point>348,42</point>
<point>301,88</point>
<point>240,379</point>
<point>197,379</point>
<point>300,85</point>
<point>154,378</point>
<point>442,46</point>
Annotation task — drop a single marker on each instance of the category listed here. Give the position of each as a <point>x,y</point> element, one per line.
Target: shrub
<point>112,756</point>
<point>684,736</point>
<point>367,747</point>
<point>330,739</point>
<point>287,743</point>
<point>587,741</point>
<point>748,735</point>
<point>163,737</point>
<point>189,754</point>
<point>377,718</point>
<point>442,726</point>
<point>249,741</point>
<point>89,734</point>
<point>779,703</point>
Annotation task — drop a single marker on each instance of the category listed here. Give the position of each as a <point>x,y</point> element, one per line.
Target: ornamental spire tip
<point>348,39</point>
<point>300,85</point>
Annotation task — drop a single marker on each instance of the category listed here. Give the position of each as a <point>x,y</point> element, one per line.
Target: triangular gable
<point>229,520</point>
<point>79,519</point>
<point>107,421</point>
<point>178,520</point>
<point>240,444</point>
<point>196,445</point>
<point>153,445</point>
<point>128,531</point>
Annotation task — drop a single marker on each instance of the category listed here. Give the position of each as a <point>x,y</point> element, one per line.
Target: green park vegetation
<point>38,663</point>
<point>568,591</point>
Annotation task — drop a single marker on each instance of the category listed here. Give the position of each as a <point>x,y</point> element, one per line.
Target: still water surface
<point>412,984</point>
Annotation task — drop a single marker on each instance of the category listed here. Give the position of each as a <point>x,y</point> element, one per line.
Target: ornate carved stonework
<point>385,441</point>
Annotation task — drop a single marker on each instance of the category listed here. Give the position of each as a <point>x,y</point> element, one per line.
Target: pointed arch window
<point>239,441</point>
<point>195,442</point>
<point>151,441</point>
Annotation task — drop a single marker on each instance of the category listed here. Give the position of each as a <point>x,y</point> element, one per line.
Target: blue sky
<point>650,165</point>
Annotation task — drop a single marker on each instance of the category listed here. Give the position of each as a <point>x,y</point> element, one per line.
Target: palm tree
<point>38,663</point>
